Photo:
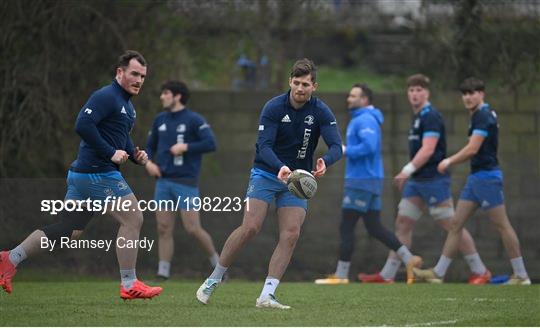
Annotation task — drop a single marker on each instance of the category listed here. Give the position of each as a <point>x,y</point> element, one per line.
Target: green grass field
<point>96,303</point>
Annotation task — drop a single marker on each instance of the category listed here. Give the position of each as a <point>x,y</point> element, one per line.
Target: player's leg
<point>349,219</point>
<point>410,210</point>
<point>290,221</point>
<point>254,215</point>
<point>192,223</point>
<point>500,220</point>
<point>443,214</point>
<point>130,220</point>
<point>165,228</point>
<point>69,224</point>
<point>465,208</point>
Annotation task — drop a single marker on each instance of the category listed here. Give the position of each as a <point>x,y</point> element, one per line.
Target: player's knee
<point>68,224</point>
<point>250,230</point>
<point>164,229</point>
<point>441,212</point>
<point>135,220</point>
<point>291,235</point>
<point>408,209</point>
<point>193,229</point>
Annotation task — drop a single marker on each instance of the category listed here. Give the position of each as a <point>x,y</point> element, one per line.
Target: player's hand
<point>141,156</point>
<point>320,168</point>
<point>153,169</point>
<point>400,179</point>
<point>443,165</point>
<point>119,157</point>
<point>178,149</point>
<point>283,174</point>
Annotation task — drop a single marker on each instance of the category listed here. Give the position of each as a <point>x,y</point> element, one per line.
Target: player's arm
<point>368,131</point>
<point>268,127</point>
<point>430,138</point>
<point>330,135</point>
<point>151,148</point>
<point>93,112</point>
<point>206,140</point>
<point>467,152</point>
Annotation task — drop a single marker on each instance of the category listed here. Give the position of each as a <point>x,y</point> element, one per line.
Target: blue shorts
<point>170,190</point>
<point>361,200</point>
<point>486,191</point>
<point>266,187</point>
<point>433,191</point>
<point>96,186</point>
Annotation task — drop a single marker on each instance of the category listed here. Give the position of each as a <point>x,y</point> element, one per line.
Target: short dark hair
<point>472,84</point>
<point>366,91</point>
<point>177,88</point>
<point>303,67</point>
<point>418,80</point>
<point>126,57</point>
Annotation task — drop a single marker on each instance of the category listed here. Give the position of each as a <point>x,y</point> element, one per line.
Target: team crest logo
<point>108,192</point>
<point>309,120</point>
<point>122,185</point>
<point>181,128</point>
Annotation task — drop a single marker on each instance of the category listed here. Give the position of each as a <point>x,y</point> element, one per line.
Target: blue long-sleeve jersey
<point>484,123</point>
<point>104,124</point>
<point>184,126</point>
<point>289,136</point>
<point>364,165</point>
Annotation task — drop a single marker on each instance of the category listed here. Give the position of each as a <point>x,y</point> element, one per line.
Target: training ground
<point>91,302</point>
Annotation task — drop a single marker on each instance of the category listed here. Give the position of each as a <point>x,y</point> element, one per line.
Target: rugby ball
<point>302,184</point>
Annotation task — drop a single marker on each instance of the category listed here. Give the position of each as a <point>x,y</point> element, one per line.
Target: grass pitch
<point>97,303</point>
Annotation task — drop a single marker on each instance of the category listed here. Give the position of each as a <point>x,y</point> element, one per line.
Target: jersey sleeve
<point>206,141</point>
<point>268,127</point>
<point>330,134</point>
<point>92,113</point>
<point>368,132</point>
<point>152,140</point>
<point>432,125</point>
<point>480,123</point>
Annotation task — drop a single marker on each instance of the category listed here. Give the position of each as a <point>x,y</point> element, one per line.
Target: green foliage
<point>341,79</point>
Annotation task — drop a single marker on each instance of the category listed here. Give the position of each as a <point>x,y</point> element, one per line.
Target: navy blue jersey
<point>184,126</point>
<point>104,124</point>
<point>484,123</point>
<point>427,123</point>
<point>289,136</point>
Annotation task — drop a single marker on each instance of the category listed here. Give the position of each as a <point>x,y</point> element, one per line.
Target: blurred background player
<point>178,138</point>
<point>104,124</point>
<point>423,187</point>
<point>364,176</point>
<point>289,130</point>
<point>484,186</point>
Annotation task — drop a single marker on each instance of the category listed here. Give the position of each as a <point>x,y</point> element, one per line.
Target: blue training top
<point>427,123</point>
<point>364,165</point>
<point>484,123</point>
<point>104,124</point>
<point>289,136</point>
<point>184,126</point>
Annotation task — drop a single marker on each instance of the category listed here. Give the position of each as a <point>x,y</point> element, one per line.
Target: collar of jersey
<point>288,102</point>
<point>121,90</point>
<point>359,110</point>
<point>425,109</point>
